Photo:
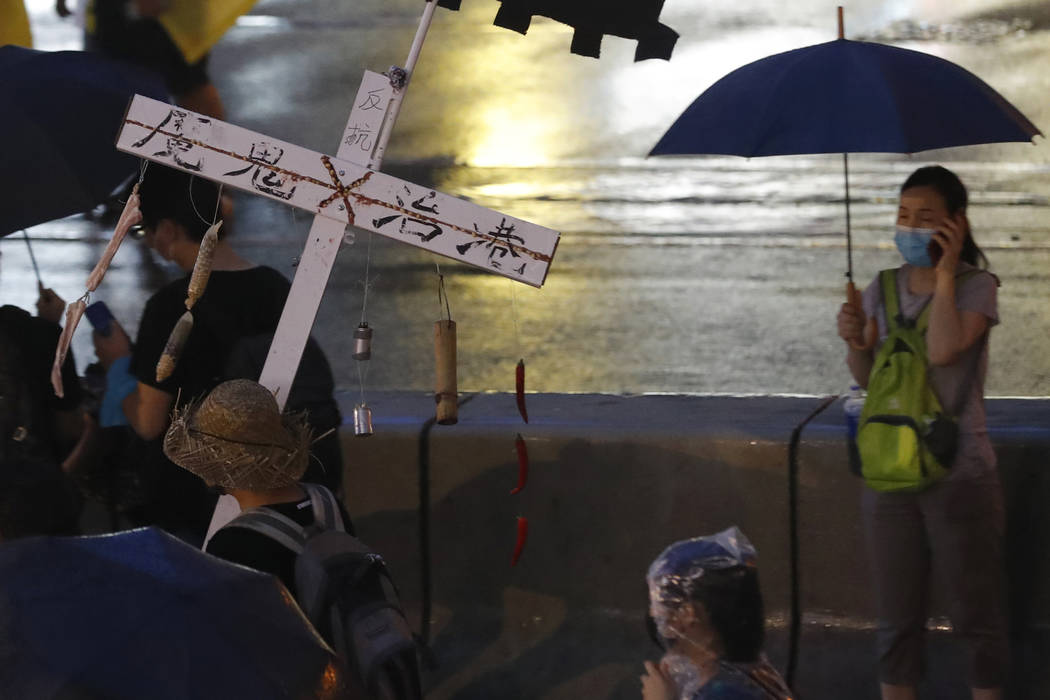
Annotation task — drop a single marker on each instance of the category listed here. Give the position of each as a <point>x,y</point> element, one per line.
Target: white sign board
<point>338,189</point>
<point>361,135</point>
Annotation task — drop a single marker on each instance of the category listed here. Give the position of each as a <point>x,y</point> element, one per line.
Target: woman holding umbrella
<point>956,524</point>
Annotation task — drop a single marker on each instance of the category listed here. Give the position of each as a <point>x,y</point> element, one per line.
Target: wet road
<point>673,275</point>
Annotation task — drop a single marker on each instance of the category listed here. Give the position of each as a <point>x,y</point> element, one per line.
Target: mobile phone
<point>933,248</point>
<point>99,315</point>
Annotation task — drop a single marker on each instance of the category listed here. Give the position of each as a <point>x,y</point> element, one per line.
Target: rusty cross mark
<point>342,191</point>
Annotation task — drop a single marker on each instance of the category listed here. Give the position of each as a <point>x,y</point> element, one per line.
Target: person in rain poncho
<point>707,608</point>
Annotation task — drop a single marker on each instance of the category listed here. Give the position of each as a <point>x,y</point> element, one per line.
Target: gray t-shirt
<point>975,457</point>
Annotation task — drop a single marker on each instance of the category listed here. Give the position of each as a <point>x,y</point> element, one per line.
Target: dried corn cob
<point>173,349</point>
<point>202,267</point>
<point>128,218</point>
<point>73,314</point>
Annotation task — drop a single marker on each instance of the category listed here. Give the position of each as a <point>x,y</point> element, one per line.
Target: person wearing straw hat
<point>233,323</point>
<point>237,440</point>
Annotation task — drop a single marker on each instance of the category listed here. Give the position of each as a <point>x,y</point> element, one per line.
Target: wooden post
<point>842,28</point>
<point>445,393</point>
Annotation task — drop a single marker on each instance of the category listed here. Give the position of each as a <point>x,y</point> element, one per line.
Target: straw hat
<point>237,438</point>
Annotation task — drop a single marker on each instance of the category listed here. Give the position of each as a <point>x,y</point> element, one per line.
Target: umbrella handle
<point>870,329</point>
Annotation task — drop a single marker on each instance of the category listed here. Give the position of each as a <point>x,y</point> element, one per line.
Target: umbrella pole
<point>399,92</point>
<point>849,236</point>
<point>853,297</point>
<point>32,259</point>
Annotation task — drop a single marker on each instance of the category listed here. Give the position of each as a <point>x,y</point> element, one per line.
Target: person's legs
<point>899,564</point>
<point>966,524</point>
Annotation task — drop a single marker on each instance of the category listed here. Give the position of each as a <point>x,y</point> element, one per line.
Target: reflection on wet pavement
<point>692,275</point>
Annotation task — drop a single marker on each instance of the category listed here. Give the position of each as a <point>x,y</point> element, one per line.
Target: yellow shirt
<point>14,24</point>
<point>196,25</point>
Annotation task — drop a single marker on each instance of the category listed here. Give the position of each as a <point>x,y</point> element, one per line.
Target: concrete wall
<point>615,479</point>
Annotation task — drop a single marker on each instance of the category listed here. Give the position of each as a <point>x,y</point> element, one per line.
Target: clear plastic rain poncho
<point>673,578</point>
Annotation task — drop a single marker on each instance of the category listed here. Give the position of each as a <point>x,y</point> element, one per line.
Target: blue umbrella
<point>141,614</point>
<point>840,97</point>
<point>60,117</point>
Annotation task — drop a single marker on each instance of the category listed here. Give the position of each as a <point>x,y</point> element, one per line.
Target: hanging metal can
<point>363,342</point>
<point>362,420</point>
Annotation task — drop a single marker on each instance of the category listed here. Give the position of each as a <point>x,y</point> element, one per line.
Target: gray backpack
<point>347,593</point>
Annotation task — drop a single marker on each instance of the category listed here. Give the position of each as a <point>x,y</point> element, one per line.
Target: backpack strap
<point>272,524</point>
<point>890,300</point>
<point>286,531</point>
<point>326,508</point>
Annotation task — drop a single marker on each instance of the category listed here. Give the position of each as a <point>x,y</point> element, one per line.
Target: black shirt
<point>235,304</point>
<point>256,550</point>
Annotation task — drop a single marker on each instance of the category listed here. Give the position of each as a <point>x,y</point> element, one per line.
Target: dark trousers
<point>955,529</point>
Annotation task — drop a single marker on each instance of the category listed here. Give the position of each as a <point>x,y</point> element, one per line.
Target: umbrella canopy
<point>840,97</point>
<point>61,114</point>
<point>844,97</point>
<point>593,19</point>
<point>141,614</point>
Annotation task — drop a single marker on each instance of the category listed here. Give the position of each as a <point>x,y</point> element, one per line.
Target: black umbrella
<point>140,614</point>
<point>60,116</point>
<point>593,19</point>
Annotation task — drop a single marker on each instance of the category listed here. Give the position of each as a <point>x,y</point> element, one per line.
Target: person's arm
<point>85,447</point>
<point>854,325</point>
<point>147,410</point>
<point>49,306</point>
<point>950,331</point>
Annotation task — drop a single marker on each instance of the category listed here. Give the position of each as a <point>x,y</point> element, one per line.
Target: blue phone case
<point>98,314</point>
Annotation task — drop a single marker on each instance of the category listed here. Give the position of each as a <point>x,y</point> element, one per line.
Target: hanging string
<point>443,292</point>
<point>368,264</point>
<point>514,315</point>
<point>142,170</point>
<point>218,200</point>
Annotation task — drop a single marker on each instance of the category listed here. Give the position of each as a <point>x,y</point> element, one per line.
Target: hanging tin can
<point>362,420</point>
<point>363,342</point>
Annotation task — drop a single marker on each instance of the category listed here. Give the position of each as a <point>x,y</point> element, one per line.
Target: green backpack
<point>905,439</point>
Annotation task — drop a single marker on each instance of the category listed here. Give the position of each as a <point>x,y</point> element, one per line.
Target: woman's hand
<point>851,323</point>
<point>950,236</point>
<point>49,306</point>
<point>657,684</point>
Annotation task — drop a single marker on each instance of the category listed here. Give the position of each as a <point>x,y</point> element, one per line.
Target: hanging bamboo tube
<point>445,392</point>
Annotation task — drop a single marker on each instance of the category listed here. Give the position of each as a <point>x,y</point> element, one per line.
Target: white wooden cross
<point>343,190</point>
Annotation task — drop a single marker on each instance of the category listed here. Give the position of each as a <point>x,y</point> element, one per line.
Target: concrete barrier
<point>613,480</point>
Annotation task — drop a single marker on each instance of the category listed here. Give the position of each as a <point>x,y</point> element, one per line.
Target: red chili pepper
<point>519,389</point>
<point>523,534</point>
<point>523,464</point>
